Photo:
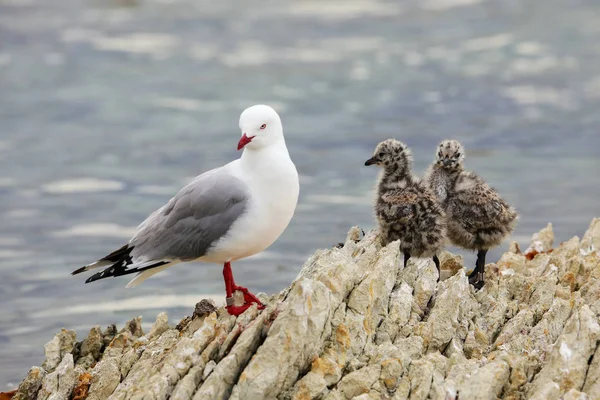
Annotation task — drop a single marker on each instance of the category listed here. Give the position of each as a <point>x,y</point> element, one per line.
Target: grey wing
<point>192,221</point>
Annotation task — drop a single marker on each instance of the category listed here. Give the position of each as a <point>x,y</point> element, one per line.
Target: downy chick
<point>477,217</point>
<point>405,208</point>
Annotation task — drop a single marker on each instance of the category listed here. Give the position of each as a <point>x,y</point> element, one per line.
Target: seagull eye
<point>263,126</point>
<point>440,154</point>
<point>457,155</point>
<point>381,154</point>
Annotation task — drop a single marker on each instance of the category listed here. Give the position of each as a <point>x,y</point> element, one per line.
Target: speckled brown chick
<point>477,217</point>
<point>405,208</point>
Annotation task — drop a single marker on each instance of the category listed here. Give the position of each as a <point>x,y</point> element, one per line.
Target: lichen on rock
<point>356,324</point>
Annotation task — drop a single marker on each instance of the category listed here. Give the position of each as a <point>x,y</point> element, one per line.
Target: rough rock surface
<point>355,324</point>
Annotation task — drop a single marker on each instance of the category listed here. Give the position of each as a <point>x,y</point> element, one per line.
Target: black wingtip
<point>117,256</point>
<point>119,269</point>
<point>78,271</point>
<point>102,274</point>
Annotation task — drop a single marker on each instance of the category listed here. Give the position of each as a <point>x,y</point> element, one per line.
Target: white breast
<point>273,188</point>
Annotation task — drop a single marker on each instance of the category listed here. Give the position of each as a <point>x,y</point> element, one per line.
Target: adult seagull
<point>223,215</point>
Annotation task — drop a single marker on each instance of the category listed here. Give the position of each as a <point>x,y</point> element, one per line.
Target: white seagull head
<point>260,126</point>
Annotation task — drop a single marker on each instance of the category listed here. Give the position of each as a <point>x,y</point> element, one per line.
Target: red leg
<point>231,287</point>
<point>228,277</point>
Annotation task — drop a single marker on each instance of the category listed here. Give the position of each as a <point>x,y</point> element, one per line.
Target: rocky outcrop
<point>355,324</point>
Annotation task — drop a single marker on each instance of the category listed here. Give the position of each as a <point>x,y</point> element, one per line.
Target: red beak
<point>244,141</point>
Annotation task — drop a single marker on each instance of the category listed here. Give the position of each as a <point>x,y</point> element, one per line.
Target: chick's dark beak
<point>446,162</point>
<point>371,161</point>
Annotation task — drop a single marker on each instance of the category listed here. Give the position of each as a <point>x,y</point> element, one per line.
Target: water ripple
<point>82,185</point>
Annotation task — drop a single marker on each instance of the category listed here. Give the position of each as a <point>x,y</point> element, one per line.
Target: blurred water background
<point>108,107</point>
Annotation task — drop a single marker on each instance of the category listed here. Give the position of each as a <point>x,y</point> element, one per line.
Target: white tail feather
<point>142,276</point>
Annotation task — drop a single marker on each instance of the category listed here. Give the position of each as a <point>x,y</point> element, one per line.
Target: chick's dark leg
<point>406,257</point>
<point>481,257</point>
<point>473,275</point>
<point>478,277</point>
<point>436,261</point>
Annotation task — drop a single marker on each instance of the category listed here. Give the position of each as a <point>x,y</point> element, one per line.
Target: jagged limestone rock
<point>592,380</point>
<point>591,240</point>
<point>62,343</point>
<point>541,241</point>
<point>399,310</point>
<point>59,384</point>
<point>453,309</point>
<point>216,332</point>
<point>356,324</point>
<point>219,383</point>
<point>567,365</point>
<point>31,384</point>
<point>360,381</point>
<point>485,382</point>
<point>90,348</point>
